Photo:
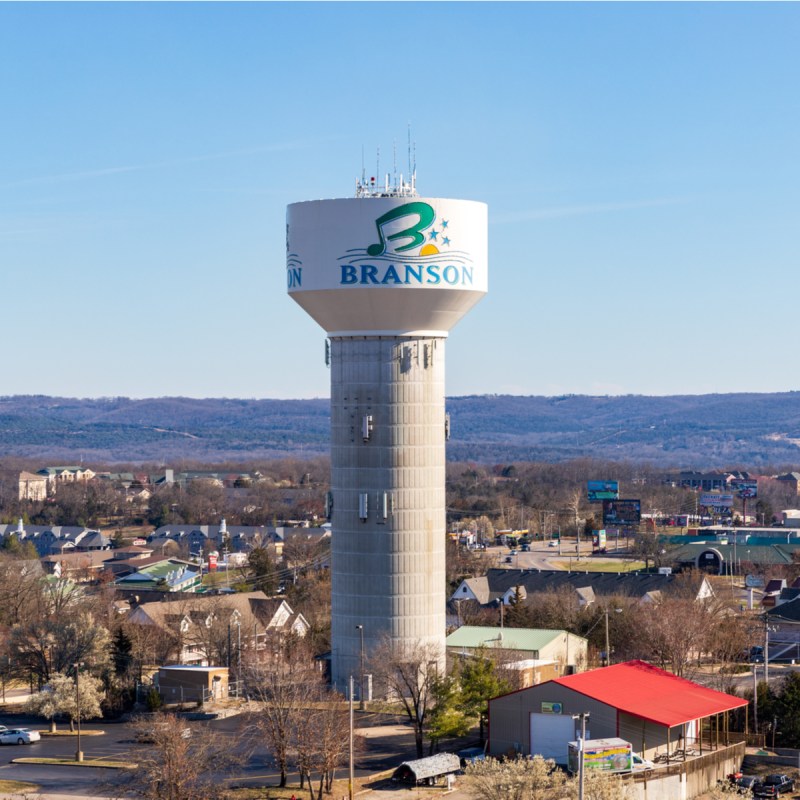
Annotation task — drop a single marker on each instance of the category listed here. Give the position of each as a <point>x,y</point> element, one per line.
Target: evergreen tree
<point>121,652</point>
<point>479,683</point>
<point>263,570</point>
<point>446,717</point>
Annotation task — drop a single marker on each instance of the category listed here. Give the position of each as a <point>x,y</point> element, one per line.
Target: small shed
<point>427,770</point>
<point>186,683</point>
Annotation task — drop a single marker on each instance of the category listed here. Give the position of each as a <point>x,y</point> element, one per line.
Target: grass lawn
<point>340,789</point>
<point>597,565</point>
<point>19,786</point>
<point>71,762</point>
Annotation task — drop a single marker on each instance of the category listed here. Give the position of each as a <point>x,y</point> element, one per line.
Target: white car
<point>641,763</point>
<point>19,736</point>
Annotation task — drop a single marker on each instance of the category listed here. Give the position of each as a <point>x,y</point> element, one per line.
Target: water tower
<point>386,274</point>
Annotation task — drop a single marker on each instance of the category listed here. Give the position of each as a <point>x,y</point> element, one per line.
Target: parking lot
<point>387,741</point>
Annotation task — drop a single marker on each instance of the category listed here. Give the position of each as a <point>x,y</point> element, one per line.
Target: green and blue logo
<point>412,250</point>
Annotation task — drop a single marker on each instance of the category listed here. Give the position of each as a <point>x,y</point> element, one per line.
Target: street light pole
<point>78,752</point>
<point>238,650</point>
<point>608,647</point>
<point>350,782</point>
<point>362,704</point>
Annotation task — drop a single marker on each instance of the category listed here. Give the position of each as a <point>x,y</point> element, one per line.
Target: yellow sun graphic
<point>429,250</point>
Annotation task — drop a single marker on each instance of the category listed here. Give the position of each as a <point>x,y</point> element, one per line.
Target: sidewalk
<point>15,697</point>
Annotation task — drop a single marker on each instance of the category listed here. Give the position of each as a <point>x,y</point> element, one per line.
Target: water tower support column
<point>387,481</point>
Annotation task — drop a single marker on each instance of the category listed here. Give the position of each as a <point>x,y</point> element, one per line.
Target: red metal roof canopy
<point>642,690</point>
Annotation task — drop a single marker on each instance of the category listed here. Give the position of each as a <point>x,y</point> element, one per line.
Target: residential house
<point>234,538</point>
<point>791,480</point>
<point>32,487</point>
<point>57,476</point>
<point>167,575</point>
<point>78,567</point>
<point>502,585</point>
<point>703,481</point>
<point>783,622</point>
<point>203,626</point>
<point>56,539</point>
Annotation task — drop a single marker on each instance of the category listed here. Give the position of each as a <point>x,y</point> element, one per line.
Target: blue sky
<point>640,163</point>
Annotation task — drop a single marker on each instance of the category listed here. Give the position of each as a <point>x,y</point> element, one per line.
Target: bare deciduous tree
<point>537,779</point>
<point>175,766</point>
<point>281,690</point>
<point>409,675</point>
<point>321,738</point>
<point>516,779</point>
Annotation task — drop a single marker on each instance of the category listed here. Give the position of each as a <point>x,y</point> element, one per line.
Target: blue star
<point>445,223</point>
<point>446,240</point>
<point>434,234</point>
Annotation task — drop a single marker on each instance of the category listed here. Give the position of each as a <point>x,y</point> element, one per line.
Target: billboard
<point>622,512</point>
<point>744,489</point>
<point>599,540</point>
<point>714,500</point>
<point>602,490</point>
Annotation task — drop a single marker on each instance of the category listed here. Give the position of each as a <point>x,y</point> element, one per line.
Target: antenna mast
<point>400,186</point>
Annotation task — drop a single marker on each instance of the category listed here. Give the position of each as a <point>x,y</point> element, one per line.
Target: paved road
<point>542,556</point>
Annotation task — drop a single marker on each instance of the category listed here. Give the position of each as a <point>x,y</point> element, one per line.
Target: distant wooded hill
<point>681,430</point>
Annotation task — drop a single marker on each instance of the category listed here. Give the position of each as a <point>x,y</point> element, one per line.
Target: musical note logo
<point>424,216</point>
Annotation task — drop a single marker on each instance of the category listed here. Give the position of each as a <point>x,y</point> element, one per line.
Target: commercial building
<point>656,711</point>
<point>531,655</point>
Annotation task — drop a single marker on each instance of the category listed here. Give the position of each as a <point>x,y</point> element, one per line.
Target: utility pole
<point>766,650</point>
<point>755,699</point>
<point>582,717</point>
<point>78,752</point>
<point>608,647</point>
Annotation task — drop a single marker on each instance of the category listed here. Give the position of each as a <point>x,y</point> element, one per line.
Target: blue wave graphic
<point>450,257</point>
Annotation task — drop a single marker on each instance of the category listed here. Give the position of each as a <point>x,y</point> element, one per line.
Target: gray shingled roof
<point>604,584</point>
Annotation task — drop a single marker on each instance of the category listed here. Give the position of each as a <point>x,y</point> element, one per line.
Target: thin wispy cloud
<point>10,234</point>
<point>557,212</point>
<point>105,171</point>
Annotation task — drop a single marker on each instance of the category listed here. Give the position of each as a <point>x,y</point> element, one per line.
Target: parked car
<point>756,655</point>
<point>773,785</point>
<point>470,755</point>
<point>509,560</point>
<point>148,736</point>
<point>19,736</point>
<point>744,783</point>
<point>641,763</point>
